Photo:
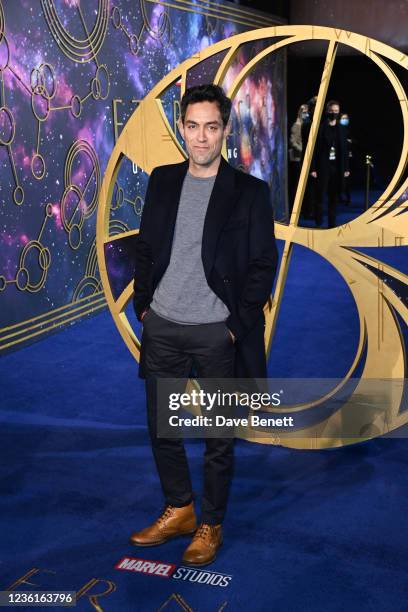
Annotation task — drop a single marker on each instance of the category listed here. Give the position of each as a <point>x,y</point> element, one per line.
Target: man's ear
<point>180,127</point>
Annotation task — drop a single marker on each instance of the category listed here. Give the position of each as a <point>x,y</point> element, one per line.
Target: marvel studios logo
<point>169,570</point>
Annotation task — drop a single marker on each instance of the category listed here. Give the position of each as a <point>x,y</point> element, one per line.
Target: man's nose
<point>201,134</point>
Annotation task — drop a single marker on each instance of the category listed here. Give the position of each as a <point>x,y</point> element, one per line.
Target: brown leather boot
<point>172,523</point>
<point>203,548</point>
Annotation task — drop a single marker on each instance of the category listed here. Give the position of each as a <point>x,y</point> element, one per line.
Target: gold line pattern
<point>148,140</point>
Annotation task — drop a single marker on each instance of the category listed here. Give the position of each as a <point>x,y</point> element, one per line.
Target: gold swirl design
<point>83,49</point>
<point>85,205</point>
<point>148,140</point>
<point>163,27</point>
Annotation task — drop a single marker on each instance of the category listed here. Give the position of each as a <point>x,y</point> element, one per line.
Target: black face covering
<point>332,116</point>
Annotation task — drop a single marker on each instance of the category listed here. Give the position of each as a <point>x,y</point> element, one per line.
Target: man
<point>330,163</point>
<point>309,198</point>
<point>204,267</point>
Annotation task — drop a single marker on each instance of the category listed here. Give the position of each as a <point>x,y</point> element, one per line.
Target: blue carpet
<point>347,212</point>
<point>322,530</point>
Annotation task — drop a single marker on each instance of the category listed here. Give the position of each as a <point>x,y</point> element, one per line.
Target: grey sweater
<point>183,294</point>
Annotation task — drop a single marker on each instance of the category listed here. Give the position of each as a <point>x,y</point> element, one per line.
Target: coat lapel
<point>173,195</point>
<point>171,198</point>
<point>220,207</point>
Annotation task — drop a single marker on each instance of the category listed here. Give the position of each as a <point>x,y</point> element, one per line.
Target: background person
<point>330,163</point>
<point>295,151</point>
<point>309,198</point>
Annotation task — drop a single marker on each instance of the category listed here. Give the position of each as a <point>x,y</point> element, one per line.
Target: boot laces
<point>205,531</point>
<point>168,511</point>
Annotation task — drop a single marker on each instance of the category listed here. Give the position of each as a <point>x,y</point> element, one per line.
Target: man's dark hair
<point>207,93</point>
<point>332,103</point>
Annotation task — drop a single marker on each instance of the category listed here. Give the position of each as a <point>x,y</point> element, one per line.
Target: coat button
<point>226,279</point>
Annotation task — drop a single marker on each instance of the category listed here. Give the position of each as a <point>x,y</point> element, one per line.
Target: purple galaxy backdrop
<point>63,64</point>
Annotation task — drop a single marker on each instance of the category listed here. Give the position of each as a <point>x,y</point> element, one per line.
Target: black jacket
<point>321,156</point>
<point>238,252</point>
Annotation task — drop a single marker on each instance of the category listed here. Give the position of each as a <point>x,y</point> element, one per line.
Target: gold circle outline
<point>134,45</point>
<point>116,11</point>
<point>18,190</point>
<point>41,70</point>
<point>103,68</point>
<point>76,99</point>
<point>78,50</point>
<point>74,189</point>
<point>38,117</point>
<point>138,209</point>
<point>292,34</point>
<point>35,157</point>
<point>7,111</point>
<point>5,41</point>
<point>44,262</point>
<point>27,280</point>
<point>75,227</point>
<point>77,148</point>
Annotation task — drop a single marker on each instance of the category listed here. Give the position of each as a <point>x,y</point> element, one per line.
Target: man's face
<point>334,108</point>
<point>203,132</point>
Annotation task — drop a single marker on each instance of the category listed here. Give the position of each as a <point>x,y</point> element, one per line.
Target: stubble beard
<point>204,159</point>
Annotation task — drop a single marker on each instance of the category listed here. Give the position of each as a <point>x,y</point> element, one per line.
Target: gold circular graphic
<point>22,279</point>
<point>18,195</point>
<point>40,106</point>
<point>119,197</point>
<point>161,33</point>
<point>148,140</point>
<point>38,166</point>
<point>76,106</point>
<point>78,50</point>
<point>83,150</point>
<point>116,17</point>
<point>71,199</point>
<point>134,44</point>
<point>6,116</point>
<point>44,262</point>
<point>4,53</point>
<point>88,286</point>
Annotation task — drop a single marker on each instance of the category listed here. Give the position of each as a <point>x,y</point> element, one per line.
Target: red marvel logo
<point>142,566</point>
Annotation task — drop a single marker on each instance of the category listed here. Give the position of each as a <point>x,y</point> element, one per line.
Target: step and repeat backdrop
<point>71,74</point>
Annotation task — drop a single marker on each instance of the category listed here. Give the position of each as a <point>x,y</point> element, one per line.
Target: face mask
<point>344,121</point>
<point>331,116</point>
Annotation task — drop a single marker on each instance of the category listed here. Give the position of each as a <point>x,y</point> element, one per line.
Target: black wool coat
<point>238,252</point>
<point>321,156</point>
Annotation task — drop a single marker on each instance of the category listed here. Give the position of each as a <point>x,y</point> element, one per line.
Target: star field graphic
<point>71,74</point>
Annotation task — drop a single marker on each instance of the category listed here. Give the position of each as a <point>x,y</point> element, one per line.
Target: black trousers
<point>328,182</point>
<point>171,350</point>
